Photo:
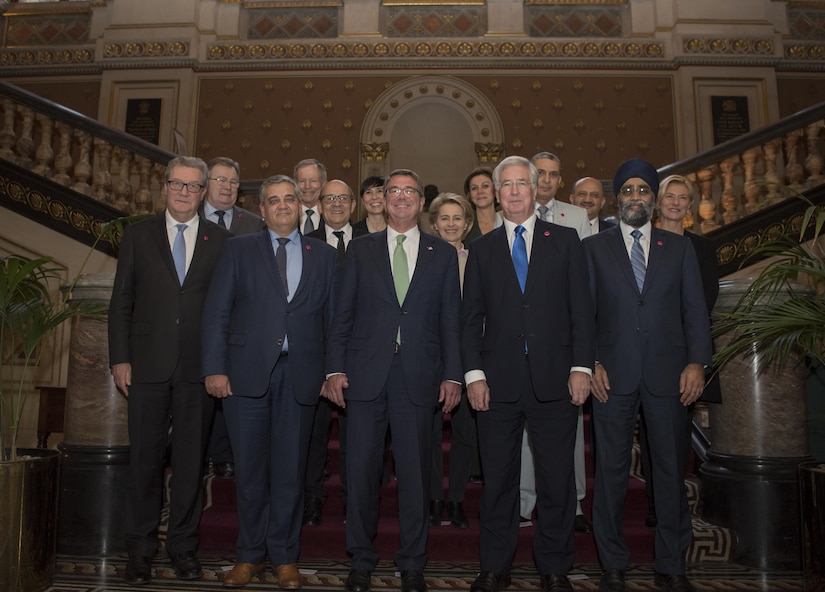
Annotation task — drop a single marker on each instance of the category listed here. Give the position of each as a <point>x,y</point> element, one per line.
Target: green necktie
<point>400,272</point>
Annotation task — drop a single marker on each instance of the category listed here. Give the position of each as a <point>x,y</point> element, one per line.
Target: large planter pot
<point>812,499</point>
<point>28,521</point>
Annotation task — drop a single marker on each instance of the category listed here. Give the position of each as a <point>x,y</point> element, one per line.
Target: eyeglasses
<point>224,180</point>
<point>333,198</point>
<point>407,191</point>
<point>192,186</point>
<point>629,190</point>
<point>519,184</point>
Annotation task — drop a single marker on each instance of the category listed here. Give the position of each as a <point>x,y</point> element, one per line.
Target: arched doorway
<point>439,126</point>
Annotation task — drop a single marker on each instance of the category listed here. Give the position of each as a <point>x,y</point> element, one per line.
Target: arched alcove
<point>439,126</point>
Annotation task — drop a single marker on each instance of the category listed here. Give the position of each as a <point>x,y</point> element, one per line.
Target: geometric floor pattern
<point>96,574</point>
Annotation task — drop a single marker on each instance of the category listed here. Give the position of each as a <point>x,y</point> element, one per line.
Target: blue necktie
<point>520,257</point>
<point>637,259</point>
<point>179,253</point>
<point>220,214</point>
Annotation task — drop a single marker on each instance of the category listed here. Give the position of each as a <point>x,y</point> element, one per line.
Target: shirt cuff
<point>473,376</point>
<point>584,369</point>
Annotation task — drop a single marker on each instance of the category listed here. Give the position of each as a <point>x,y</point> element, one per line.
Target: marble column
<point>759,437</point>
<point>95,444</point>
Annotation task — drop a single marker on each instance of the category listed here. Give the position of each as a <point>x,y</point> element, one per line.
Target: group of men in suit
<point>268,321</point>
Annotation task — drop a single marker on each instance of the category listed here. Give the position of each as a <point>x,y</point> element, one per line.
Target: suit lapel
<point>658,244</point>
<point>426,252</point>
<point>161,239</point>
<point>501,251</point>
<point>264,242</point>
<point>617,247</point>
<point>381,256</point>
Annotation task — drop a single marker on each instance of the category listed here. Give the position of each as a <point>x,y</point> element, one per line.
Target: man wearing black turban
<point>653,346</point>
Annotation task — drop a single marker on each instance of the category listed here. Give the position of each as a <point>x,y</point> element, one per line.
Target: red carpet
<point>446,543</point>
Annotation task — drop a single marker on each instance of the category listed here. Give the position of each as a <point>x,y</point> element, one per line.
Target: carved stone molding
<point>46,57</point>
<point>759,46</point>
<point>146,49</point>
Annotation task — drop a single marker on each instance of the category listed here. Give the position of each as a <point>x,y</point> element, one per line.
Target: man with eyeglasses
<point>653,347</point>
<point>528,347</point>
<point>337,205</point>
<point>311,175</point>
<point>163,273</point>
<point>550,209</point>
<point>269,309</point>
<point>219,207</point>
<point>392,363</point>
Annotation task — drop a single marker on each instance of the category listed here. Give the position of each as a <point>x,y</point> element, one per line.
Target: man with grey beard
<point>653,347</point>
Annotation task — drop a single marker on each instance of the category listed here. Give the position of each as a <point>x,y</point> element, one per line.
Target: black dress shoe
<point>224,470</point>
<point>555,583</point>
<point>673,582</point>
<point>580,524</point>
<point>488,581</point>
<point>436,509</point>
<point>413,581</point>
<point>312,511</point>
<point>187,566</point>
<point>455,510</point>
<point>612,581</point>
<point>138,570</point>
<point>358,580</point>
<point>650,519</point>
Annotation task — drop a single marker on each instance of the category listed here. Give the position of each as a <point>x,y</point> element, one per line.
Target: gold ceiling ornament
<point>456,94</point>
<point>423,89</point>
<point>641,107</point>
<point>266,125</point>
<point>268,86</point>
<point>601,146</point>
<point>558,104</point>
<point>408,94</point>
<point>663,127</point>
<point>349,86</point>
<point>207,145</point>
<point>536,86</point>
<point>621,126</point>
<point>374,151</point>
<point>229,87</point>
<point>367,104</point>
<point>494,84</point>
<point>489,152</point>
<point>326,144</point>
<point>246,145</point>
<point>515,105</point>
<point>578,86</point>
<point>598,104</point>
<point>485,132</point>
<point>516,143</point>
<point>207,107</point>
<point>394,103</point>
<point>287,106</point>
<point>308,85</point>
<point>558,144</point>
<point>327,105</point>
<point>384,116</point>
<point>388,84</point>
<point>644,146</point>
<point>579,124</point>
<point>619,87</point>
<point>479,116</point>
<point>379,131</point>
<point>440,89</point>
<point>580,165</point>
<point>470,103</point>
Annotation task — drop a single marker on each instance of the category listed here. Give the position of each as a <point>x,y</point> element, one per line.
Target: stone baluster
<point>772,161</point>
<point>25,143</point>
<point>143,196</point>
<point>63,160</point>
<point>753,188</point>
<point>83,167</point>
<point>44,155</point>
<point>707,207</point>
<point>813,163</point>
<point>729,201</point>
<point>794,172</point>
<point>7,133</point>
<point>122,185</point>
<point>102,179</point>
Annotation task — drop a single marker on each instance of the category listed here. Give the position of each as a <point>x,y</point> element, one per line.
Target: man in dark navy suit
<point>654,345</point>
<point>337,205</point>
<point>528,349</point>
<point>163,272</point>
<point>393,357</point>
<point>264,331</point>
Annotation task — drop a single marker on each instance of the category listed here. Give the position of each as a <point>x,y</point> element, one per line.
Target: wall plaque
<point>729,117</point>
<point>143,119</point>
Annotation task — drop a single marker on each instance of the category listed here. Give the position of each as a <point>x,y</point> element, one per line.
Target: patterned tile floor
<point>93,574</point>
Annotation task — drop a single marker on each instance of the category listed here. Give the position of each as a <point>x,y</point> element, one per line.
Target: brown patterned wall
<point>797,93</point>
<point>81,96</point>
<point>592,123</point>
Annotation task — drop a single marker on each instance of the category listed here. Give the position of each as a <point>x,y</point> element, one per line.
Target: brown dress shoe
<point>242,573</point>
<point>288,576</point>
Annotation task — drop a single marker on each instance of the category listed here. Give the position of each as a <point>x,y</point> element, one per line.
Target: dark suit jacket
<point>154,322</point>
<point>650,336</point>
<point>706,255</point>
<point>555,312</point>
<point>321,233</point>
<point>367,318</point>
<point>605,224</point>
<point>249,317</point>
<point>243,221</point>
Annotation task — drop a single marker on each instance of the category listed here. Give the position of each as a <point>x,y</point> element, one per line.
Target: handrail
<point>81,122</point>
<point>742,143</point>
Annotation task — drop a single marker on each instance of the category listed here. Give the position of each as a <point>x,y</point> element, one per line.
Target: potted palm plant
<point>29,314</point>
<point>781,318</point>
